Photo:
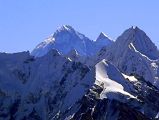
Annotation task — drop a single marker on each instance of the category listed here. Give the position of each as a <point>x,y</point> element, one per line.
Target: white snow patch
<point>112,88</point>
<point>157,116</point>
<point>131,78</point>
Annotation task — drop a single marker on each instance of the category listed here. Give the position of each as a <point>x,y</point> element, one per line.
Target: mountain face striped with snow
<point>134,53</point>
<point>65,39</point>
<point>64,83</point>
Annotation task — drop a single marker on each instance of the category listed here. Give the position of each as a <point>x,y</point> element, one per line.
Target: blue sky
<point>25,23</point>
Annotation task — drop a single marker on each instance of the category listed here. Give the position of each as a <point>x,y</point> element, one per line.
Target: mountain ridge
<point>119,81</point>
<point>67,38</point>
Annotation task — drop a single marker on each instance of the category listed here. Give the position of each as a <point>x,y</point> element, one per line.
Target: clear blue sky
<point>25,23</point>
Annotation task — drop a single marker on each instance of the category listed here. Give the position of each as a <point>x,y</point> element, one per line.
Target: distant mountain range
<point>70,77</point>
<point>65,39</point>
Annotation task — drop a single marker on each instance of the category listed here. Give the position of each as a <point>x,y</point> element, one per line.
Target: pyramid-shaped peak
<point>103,39</point>
<point>134,33</point>
<point>102,36</point>
<point>140,41</point>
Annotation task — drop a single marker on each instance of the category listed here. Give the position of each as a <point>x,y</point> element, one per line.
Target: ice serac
<point>65,39</point>
<point>134,53</point>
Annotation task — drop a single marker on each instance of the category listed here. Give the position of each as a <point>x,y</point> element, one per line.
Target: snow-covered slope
<point>66,38</point>
<point>115,95</point>
<point>113,81</point>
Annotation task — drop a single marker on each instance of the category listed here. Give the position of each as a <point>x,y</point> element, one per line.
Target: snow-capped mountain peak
<point>103,36</point>
<point>67,38</point>
<point>133,53</point>
<point>65,28</point>
<point>68,32</point>
<point>141,42</point>
<point>103,40</point>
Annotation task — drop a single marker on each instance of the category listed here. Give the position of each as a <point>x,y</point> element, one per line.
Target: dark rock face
<point>148,94</point>
<point>129,113</point>
<point>93,108</point>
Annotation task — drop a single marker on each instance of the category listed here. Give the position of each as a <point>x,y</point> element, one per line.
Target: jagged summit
<point>134,27</point>
<point>65,28</point>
